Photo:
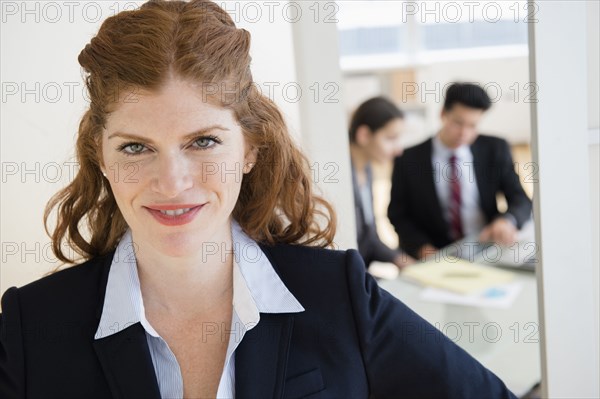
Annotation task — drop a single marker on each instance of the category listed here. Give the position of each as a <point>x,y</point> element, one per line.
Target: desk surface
<point>506,341</point>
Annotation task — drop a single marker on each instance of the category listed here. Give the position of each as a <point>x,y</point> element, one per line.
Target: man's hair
<point>374,113</point>
<point>468,94</point>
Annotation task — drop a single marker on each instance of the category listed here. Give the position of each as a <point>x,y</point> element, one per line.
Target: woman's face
<point>383,145</point>
<point>175,164</point>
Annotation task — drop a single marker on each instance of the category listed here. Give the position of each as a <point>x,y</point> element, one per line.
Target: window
<point>383,34</point>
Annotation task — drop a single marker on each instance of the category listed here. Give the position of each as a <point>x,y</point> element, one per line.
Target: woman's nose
<point>173,176</point>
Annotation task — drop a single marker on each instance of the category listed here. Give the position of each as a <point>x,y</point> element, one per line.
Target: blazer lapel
<point>261,358</point>
<point>127,364</point>
<point>124,356</point>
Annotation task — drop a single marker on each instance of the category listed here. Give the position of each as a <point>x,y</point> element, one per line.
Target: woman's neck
<point>186,285</point>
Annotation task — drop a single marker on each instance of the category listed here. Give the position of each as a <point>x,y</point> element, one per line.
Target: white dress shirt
<point>472,218</point>
<point>256,289</point>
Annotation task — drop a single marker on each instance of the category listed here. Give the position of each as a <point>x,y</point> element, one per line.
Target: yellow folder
<point>457,275</point>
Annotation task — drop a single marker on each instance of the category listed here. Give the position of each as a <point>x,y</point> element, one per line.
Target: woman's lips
<point>174,220</point>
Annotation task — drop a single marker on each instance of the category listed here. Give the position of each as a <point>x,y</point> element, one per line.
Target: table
<point>506,341</point>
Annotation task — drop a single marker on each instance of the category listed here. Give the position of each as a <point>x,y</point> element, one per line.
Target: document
<point>499,297</point>
<point>457,275</point>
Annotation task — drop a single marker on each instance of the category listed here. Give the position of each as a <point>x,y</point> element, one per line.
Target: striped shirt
<point>256,289</point>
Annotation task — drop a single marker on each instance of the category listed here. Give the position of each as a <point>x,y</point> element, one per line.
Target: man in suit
<point>445,188</point>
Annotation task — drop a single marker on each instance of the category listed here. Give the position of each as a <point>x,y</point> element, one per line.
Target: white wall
<point>568,291</point>
<point>595,237</point>
<point>593,44</point>
<point>39,123</point>
<point>593,54</point>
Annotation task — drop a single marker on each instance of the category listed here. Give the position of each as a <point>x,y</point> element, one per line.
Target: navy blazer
<point>415,210</point>
<point>354,340</point>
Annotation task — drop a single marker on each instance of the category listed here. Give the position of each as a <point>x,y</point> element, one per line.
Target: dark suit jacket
<point>415,210</point>
<point>370,245</point>
<point>353,340</point>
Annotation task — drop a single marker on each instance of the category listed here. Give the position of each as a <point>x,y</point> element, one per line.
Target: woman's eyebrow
<point>185,138</point>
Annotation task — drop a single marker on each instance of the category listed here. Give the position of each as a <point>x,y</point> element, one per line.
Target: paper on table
<point>457,275</point>
<point>501,296</point>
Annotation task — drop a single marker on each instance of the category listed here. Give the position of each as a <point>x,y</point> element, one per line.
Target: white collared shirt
<point>472,217</point>
<point>256,289</point>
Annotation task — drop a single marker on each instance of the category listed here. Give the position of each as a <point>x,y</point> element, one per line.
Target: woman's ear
<point>102,167</point>
<point>250,159</point>
<point>363,135</point>
<point>103,171</point>
<point>100,157</point>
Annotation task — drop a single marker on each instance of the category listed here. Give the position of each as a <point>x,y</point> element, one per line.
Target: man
<point>445,188</point>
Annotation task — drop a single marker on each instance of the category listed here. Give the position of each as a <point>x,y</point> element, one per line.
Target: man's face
<point>459,125</point>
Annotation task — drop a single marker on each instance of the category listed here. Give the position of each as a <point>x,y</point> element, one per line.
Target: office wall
<point>505,80</point>
<point>561,62</point>
<point>595,236</point>
<point>593,37</point>
<point>593,45</point>
<point>43,99</point>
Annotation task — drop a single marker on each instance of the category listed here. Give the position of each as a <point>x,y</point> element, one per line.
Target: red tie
<point>456,231</point>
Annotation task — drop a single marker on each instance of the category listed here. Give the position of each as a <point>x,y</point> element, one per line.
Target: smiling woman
<point>181,179</point>
<point>205,269</point>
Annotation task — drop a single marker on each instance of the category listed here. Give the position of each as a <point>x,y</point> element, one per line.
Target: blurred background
<point>411,51</point>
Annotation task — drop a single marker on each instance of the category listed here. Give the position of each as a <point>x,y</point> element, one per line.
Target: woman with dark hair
<point>374,131</point>
<point>203,271</point>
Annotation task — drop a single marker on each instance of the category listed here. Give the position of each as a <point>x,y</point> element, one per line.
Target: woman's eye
<point>134,148</point>
<point>205,142</point>
<point>131,148</point>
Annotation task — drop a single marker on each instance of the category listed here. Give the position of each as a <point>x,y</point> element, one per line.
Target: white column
<point>558,66</point>
<point>323,122</point>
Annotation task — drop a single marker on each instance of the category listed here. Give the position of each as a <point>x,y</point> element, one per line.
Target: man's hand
<point>402,260</point>
<point>426,250</point>
<point>500,231</point>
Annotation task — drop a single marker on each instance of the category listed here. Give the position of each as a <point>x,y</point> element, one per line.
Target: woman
<point>374,130</point>
<point>205,273</point>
